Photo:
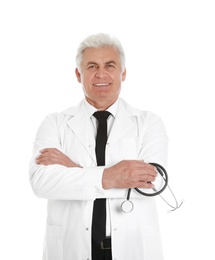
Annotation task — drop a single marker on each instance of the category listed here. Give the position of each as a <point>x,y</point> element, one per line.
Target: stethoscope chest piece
<point>127,206</point>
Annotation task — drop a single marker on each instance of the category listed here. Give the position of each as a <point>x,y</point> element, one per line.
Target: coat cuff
<point>93,183</point>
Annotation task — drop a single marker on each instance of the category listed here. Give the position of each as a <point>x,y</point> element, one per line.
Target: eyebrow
<point>93,62</point>
<point>111,61</point>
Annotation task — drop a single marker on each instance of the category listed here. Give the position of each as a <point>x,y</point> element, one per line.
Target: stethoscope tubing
<point>163,174</point>
<point>127,206</point>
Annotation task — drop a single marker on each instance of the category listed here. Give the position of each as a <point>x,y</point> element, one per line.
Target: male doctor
<point>86,184</point>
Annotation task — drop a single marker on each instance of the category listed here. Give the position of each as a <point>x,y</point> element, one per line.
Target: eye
<point>110,65</point>
<point>91,66</point>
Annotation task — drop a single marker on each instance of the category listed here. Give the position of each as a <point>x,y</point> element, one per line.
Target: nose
<point>100,73</point>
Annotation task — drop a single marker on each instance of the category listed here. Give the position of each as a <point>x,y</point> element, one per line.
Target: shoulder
<point>73,110</point>
<point>147,121</point>
<point>144,115</point>
<point>64,116</point>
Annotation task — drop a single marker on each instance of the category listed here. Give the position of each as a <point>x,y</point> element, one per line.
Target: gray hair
<point>97,41</point>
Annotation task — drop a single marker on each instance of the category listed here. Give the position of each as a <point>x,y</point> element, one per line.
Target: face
<point>101,76</point>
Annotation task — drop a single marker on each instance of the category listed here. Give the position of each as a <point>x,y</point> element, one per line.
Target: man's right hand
<point>129,174</point>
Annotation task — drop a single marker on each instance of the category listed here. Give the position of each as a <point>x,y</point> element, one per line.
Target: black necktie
<point>99,210</point>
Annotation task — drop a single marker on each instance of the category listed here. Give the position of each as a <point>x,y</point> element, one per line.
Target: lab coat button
<point>87,229</point>
<point>115,229</point>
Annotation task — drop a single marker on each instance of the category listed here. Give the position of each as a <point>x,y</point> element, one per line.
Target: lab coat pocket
<point>54,243</point>
<point>131,147</point>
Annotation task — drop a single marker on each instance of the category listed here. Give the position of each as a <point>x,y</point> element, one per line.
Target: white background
<point>170,54</point>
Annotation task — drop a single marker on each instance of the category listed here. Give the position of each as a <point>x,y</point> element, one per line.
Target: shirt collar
<point>91,109</point>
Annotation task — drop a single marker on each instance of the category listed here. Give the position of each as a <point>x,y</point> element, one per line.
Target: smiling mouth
<point>101,84</point>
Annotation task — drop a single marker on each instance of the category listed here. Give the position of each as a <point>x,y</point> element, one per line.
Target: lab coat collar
<point>121,127</point>
<point>91,109</point>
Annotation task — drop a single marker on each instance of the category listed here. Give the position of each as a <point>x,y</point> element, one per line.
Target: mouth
<point>102,84</point>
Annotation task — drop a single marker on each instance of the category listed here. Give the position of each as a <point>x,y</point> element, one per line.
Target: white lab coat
<point>71,191</point>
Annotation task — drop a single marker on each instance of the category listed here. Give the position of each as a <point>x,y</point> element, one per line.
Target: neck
<point>101,105</point>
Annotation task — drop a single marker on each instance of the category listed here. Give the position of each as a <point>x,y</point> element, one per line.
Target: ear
<point>124,74</point>
<point>78,75</point>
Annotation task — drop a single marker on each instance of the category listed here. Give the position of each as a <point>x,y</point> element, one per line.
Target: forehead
<point>101,54</point>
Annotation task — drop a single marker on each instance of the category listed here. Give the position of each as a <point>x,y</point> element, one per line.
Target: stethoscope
<point>127,206</point>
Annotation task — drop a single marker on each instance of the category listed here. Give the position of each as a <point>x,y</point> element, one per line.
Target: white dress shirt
<point>90,111</point>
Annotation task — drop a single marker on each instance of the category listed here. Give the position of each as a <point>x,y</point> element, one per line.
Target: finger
<point>151,169</point>
<point>147,178</point>
<point>46,161</point>
<point>144,185</point>
<point>146,173</point>
<point>50,153</point>
<point>148,168</point>
<point>50,150</point>
<point>45,150</point>
<point>53,156</point>
<point>147,185</point>
<point>46,157</point>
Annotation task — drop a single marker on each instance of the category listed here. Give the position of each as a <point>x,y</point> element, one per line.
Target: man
<point>70,169</point>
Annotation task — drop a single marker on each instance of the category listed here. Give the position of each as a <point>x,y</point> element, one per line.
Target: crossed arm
<point>125,174</point>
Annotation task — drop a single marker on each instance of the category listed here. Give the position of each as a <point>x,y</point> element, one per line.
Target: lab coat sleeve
<point>58,182</point>
<point>153,147</point>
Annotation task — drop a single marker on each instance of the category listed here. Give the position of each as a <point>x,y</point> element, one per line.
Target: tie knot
<point>101,114</point>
